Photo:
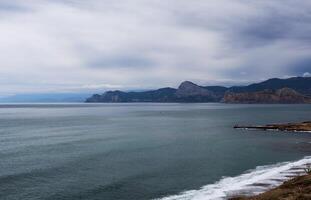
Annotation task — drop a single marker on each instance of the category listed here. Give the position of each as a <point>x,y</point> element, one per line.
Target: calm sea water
<point>137,151</point>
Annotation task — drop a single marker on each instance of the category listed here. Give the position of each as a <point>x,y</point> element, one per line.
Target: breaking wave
<point>251,182</point>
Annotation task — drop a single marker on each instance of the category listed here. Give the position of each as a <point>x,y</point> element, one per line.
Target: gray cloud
<point>65,44</point>
<point>7,6</point>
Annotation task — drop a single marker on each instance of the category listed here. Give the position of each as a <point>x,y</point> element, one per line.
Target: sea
<point>142,151</point>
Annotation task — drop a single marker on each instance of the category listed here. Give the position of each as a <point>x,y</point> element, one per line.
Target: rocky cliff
<point>190,92</point>
<point>284,95</point>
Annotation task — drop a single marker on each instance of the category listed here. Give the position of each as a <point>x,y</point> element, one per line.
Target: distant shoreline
<point>293,90</point>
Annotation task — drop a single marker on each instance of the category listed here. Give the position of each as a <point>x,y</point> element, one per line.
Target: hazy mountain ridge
<point>46,98</point>
<point>160,95</point>
<point>291,90</point>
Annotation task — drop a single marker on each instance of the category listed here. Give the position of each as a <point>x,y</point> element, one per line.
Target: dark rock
<point>300,127</point>
<point>190,92</point>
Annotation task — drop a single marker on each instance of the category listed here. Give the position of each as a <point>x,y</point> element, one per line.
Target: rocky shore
<point>298,188</point>
<point>297,127</point>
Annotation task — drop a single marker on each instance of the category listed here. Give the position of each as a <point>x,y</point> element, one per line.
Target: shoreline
<point>298,187</point>
<point>249,184</point>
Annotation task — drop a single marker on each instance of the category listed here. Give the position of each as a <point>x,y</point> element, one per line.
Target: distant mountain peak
<point>188,88</point>
<point>186,84</point>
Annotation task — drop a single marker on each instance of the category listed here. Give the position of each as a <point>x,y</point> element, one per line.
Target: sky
<point>98,45</point>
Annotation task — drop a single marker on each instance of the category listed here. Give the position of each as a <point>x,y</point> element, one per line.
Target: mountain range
<point>291,90</point>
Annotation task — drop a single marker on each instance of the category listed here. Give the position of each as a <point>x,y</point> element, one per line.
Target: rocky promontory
<point>299,127</point>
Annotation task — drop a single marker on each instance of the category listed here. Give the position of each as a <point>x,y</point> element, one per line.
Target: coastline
<point>249,184</point>
<point>299,186</point>
<point>296,188</point>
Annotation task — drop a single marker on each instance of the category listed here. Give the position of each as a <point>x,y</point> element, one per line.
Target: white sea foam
<point>250,183</point>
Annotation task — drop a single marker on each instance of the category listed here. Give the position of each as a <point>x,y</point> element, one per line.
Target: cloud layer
<point>73,45</point>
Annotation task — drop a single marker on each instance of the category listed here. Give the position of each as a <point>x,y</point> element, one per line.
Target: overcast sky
<point>80,45</point>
